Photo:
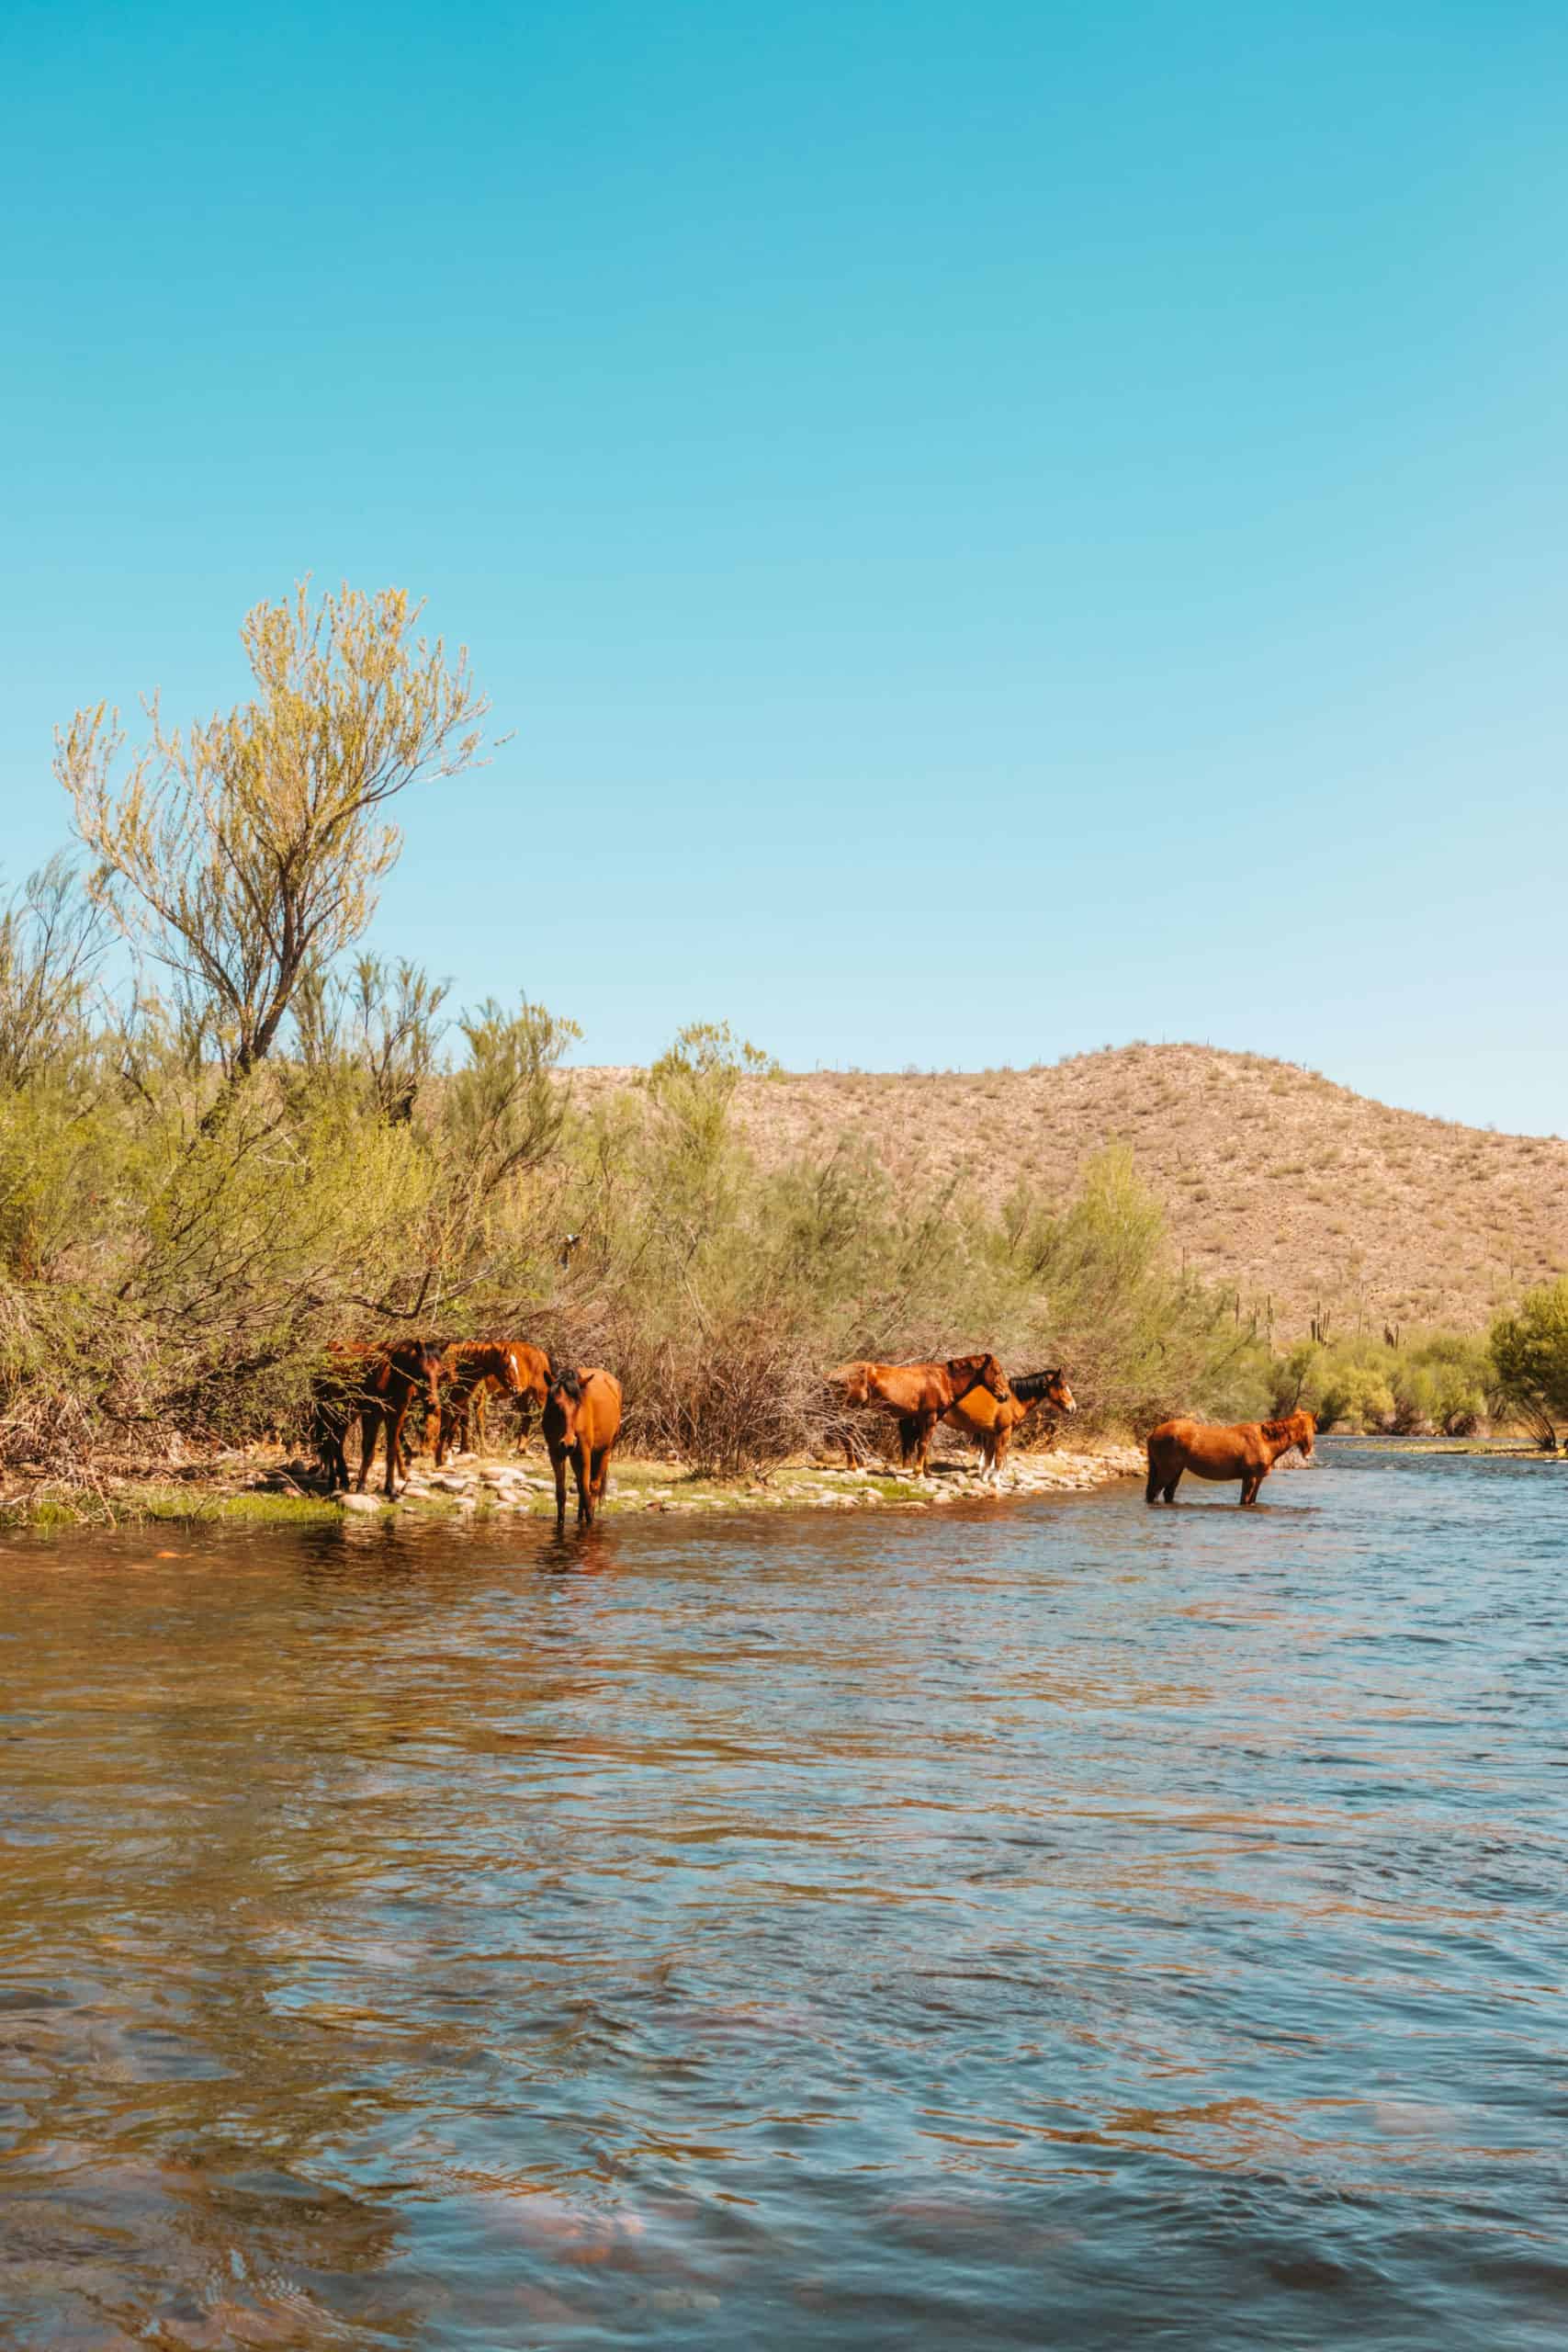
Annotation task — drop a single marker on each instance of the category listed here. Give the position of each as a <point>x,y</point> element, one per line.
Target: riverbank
<point>261,1487</point>
<point>1502,1449</point>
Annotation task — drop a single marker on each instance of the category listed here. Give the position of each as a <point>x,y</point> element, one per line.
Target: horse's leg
<point>479,1418</point>
<point>330,1434</point>
<point>581,1463</point>
<point>600,1474</point>
<point>557,1464</point>
<point>407,1442</point>
<point>370,1422</point>
<point>1151,1491</point>
<point>524,1424</point>
<point>926,1426</point>
<point>393,1415</point>
<point>1172,1485</point>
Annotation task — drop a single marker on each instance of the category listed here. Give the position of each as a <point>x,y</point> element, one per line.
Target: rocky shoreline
<point>241,1487</point>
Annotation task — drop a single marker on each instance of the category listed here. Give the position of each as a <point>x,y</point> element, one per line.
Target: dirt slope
<point>1274,1180</point>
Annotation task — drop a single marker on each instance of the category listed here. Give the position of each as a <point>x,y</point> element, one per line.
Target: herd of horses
<point>375,1386</point>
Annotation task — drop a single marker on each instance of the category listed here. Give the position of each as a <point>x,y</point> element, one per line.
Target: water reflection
<point>1067,1924</point>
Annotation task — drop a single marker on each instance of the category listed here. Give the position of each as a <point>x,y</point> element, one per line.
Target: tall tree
<point>245,853</point>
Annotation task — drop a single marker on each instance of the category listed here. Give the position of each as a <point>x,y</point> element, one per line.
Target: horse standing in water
<point>1245,1450</point>
<point>581,1422</point>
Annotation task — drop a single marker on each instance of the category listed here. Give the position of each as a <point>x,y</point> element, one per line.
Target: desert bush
<point>1529,1358</point>
<point>1435,1381</point>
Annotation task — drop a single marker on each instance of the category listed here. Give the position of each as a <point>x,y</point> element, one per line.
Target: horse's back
<point>602,1401</point>
<point>911,1388</point>
<point>1209,1448</point>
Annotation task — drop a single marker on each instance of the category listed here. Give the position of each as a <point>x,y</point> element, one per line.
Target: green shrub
<point>1437,1381</point>
<point>1530,1357</point>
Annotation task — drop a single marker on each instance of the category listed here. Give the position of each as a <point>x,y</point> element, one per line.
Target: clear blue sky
<point>998,528</point>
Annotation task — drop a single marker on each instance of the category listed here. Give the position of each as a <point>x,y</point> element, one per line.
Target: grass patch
<point>54,1509</point>
<point>229,1510</point>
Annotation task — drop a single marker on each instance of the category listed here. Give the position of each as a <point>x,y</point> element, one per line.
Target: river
<point>1031,1925</point>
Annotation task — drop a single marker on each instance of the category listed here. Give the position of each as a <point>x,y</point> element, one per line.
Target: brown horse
<point>917,1393</point>
<point>532,1366</point>
<point>992,1419</point>
<point>374,1386</point>
<point>471,1369</point>
<point>1245,1450</point>
<point>581,1422</point>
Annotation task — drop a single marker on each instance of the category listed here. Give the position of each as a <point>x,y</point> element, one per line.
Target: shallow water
<point>1052,1924</point>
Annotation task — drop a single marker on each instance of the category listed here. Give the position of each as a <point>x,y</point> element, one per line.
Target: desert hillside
<point>1275,1181</point>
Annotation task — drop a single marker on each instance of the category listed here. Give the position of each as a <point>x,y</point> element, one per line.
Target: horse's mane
<point>1287,1427</point>
<point>1031,1386</point>
<point>565,1379</point>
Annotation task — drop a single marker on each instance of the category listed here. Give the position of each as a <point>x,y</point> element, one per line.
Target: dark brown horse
<point>917,1393</point>
<point>1244,1450</point>
<point>374,1386</point>
<point>992,1419</point>
<point>581,1422</point>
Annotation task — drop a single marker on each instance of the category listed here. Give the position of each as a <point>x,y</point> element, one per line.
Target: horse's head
<point>528,1371</point>
<point>978,1371</point>
<point>420,1364</point>
<point>855,1380</point>
<point>563,1401</point>
<point>1056,1394</point>
<point>427,1365</point>
<point>1297,1429</point>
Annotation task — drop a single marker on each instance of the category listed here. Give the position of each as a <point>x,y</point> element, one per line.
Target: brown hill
<point>1275,1181</point>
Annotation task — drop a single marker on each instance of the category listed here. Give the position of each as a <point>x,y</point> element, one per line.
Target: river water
<point>1034,1925</point>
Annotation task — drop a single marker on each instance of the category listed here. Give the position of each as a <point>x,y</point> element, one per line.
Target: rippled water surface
<point>1038,1925</point>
